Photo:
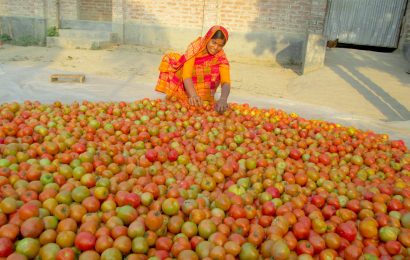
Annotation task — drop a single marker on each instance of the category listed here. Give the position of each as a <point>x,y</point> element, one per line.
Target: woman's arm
<point>193,98</point>
<point>222,103</point>
<point>225,90</point>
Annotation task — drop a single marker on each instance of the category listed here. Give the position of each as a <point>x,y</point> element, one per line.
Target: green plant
<point>52,31</point>
<point>25,41</point>
<point>5,37</point>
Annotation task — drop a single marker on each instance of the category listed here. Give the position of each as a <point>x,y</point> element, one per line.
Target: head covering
<point>199,45</point>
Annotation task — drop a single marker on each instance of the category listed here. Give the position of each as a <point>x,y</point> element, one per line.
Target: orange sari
<point>206,73</point>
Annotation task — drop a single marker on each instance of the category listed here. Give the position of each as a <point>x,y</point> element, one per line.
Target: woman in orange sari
<point>195,76</point>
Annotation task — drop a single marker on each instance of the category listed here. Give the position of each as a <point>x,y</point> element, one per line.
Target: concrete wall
<point>313,53</point>
<point>404,44</point>
<point>405,32</point>
<point>24,21</point>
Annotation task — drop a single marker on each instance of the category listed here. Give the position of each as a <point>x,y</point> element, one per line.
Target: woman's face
<point>215,45</point>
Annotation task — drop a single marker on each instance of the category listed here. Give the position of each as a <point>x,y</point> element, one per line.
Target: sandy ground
<point>365,89</point>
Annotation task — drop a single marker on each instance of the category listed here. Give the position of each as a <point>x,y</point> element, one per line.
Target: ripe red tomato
<point>305,247</point>
<point>393,247</point>
<point>268,208</point>
<point>273,191</point>
<point>347,230</point>
<point>301,230</point>
<point>318,201</point>
<point>65,254</point>
<point>237,211</point>
<point>79,148</point>
<point>85,241</point>
<point>324,158</point>
<point>6,247</point>
<point>151,155</point>
<point>295,154</point>
<point>173,155</point>
<point>133,199</point>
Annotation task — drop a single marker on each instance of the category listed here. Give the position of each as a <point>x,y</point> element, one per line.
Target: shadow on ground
<point>348,68</point>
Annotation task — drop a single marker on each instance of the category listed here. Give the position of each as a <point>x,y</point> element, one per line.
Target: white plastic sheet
<point>31,83</point>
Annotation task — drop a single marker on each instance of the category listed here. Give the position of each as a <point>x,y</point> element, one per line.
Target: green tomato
<point>103,182</point>
<point>170,206</point>
<point>238,139</point>
<point>248,252</point>
<point>342,200</point>
<point>94,124</point>
<point>78,172</point>
<point>80,193</point>
<point>28,246</point>
<point>111,254</point>
<point>387,233</point>
<point>405,220</point>
<point>46,178</point>
<point>139,245</point>
<point>370,257</point>
<point>44,162</point>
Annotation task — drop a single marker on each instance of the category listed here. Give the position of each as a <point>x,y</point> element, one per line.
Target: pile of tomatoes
<point>152,179</point>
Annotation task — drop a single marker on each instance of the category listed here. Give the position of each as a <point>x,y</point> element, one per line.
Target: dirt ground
<point>361,88</point>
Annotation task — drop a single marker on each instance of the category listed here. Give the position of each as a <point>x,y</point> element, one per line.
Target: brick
<point>18,8</point>
<point>96,10</point>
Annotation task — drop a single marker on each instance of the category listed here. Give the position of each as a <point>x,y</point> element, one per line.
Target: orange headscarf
<point>197,46</point>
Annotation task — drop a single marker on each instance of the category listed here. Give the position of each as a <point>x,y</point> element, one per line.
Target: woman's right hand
<point>195,100</point>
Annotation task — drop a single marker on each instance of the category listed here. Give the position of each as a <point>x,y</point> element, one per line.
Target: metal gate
<point>365,22</point>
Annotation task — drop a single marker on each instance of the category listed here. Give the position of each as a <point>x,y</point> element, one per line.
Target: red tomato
<point>173,155</point>
<point>133,200</point>
<point>393,247</point>
<point>295,154</point>
<point>6,247</point>
<point>317,242</point>
<point>151,155</point>
<point>268,208</point>
<point>85,241</point>
<point>347,230</point>
<point>318,201</point>
<point>301,230</point>
<point>305,247</point>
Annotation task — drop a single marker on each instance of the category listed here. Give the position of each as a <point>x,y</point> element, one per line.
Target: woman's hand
<point>195,100</point>
<point>221,105</point>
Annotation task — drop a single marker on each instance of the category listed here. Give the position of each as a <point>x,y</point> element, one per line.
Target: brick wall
<point>4,7</point>
<point>95,10</point>
<point>172,13</point>
<point>236,15</point>
<point>317,16</point>
<point>260,15</point>
<point>68,9</point>
<point>20,8</point>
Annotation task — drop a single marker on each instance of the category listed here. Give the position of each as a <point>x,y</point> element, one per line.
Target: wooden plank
<point>59,77</point>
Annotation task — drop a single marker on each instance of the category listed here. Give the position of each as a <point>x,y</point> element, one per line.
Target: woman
<point>195,76</point>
